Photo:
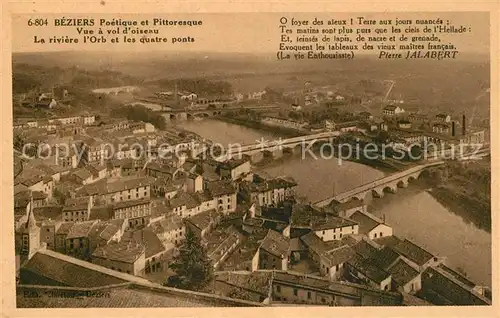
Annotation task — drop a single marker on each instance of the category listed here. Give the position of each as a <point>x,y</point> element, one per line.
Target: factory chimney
<point>453,128</point>
<point>463,125</point>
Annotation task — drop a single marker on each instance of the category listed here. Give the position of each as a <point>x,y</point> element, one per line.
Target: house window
<point>380,234</point>
<point>352,227</point>
<point>278,289</point>
<point>48,230</point>
<point>295,292</point>
<point>308,295</point>
<point>375,235</point>
<point>323,232</point>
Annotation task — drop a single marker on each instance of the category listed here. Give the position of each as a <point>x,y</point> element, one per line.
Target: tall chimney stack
<point>453,128</point>
<point>463,125</point>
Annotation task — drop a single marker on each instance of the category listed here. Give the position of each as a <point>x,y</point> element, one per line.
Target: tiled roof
<point>330,222</point>
<point>95,234</point>
<point>402,273</point>
<point>79,207</point>
<point>340,255</point>
<point>365,249</point>
<point>52,212</point>
<point>64,228</point>
<point>457,276</point>
<point>173,222</point>
<point>255,281</point>
<point>301,215</point>
<point>368,269</point>
<point>387,240</point>
<point>81,229</point>
<point>366,222</point>
<point>275,243</point>
<point>219,188</point>
<point>232,163</point>
<point>121,252</point>
<point>130,203</point>
<point>413,252</point>
<point>244,254</point>
<point>145,237</point>
<point>119,297</point>
<point>314,243</point>
<point>204,219</point>
<point>83,174</point>
<point>384,258</point>
<point>76,201</point>
<point>348,205</point>
<point>109,231</point>
<point>127,184</point>
<point>67,271</point>
<point>102,212</point>
<point>184,199</point>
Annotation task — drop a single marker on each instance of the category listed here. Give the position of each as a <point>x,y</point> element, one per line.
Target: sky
<point>229,32</point>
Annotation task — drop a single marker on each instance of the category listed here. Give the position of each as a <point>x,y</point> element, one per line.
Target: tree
<point>192,266</point>
<point>416,152</point>
<point>59,196</point>
<point>382,136</point>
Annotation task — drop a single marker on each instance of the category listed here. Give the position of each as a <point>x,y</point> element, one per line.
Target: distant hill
<point>452,86</point>
<point>29,76</point>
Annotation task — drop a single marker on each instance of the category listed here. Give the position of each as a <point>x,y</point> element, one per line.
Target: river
<point>413,212</point>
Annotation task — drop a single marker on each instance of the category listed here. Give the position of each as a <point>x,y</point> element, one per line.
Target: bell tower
<point>30,234</point>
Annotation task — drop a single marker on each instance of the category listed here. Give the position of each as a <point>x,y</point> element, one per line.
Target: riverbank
<point>471,209</point>
<point>464,188</point>
<point>279,131</point>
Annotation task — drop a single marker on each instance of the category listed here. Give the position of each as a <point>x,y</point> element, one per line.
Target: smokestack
<point>463,125</point>
<point>453,128</point>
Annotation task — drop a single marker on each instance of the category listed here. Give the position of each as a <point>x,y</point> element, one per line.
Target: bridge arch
<point>422,174</point>
<point>288,150</point>
<point>378,192</point>
<point>361,196</point>
<point>390,189</point>
<point>403,183</point>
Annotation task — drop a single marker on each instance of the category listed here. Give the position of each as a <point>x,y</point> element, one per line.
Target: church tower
<point>29,234</point>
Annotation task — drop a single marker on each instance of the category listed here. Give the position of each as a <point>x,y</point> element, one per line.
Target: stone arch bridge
<point>380,186</point>
<point>275,148</point>
<point>115,90</point>
<point>186,114</point>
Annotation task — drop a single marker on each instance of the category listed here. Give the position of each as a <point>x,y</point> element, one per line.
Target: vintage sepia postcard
<point>302,159</point>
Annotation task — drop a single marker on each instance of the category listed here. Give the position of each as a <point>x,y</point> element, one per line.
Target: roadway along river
<point>413,212</point>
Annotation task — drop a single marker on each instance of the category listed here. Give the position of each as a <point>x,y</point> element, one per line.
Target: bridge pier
<point>288,151</point>
<point>378,193</point>
<point>182,116</point>
<point>256,157</point>
<point>277,153</point>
